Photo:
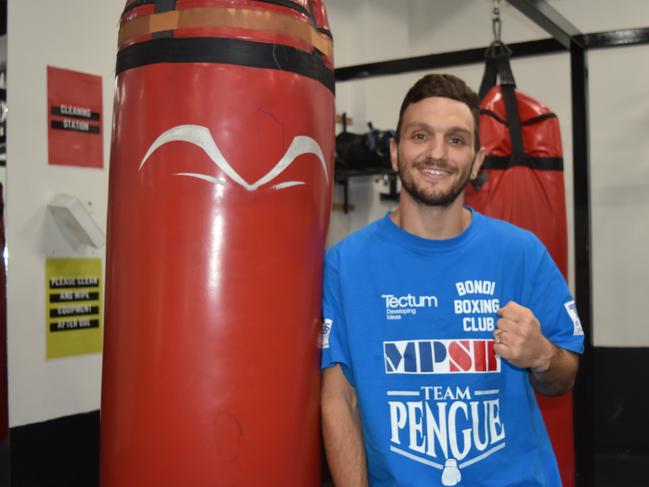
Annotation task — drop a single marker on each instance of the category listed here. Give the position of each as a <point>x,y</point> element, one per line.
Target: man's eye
<point>457,141</point>
<point>419,136</point>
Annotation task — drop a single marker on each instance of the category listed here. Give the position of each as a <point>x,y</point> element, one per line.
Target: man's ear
<point>477,162</point>
<point>394,154</point>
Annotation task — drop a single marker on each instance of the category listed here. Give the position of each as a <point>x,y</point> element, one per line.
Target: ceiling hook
<point>496,24</point>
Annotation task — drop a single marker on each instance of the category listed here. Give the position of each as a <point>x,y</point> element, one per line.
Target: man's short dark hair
<point>447,86</point>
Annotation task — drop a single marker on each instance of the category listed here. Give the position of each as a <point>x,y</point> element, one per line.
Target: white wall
<point>619,103</point>
<point>72,34</point>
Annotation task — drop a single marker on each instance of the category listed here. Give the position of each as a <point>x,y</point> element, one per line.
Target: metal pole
<point>584,387</point>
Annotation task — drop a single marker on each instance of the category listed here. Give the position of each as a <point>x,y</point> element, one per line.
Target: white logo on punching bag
<point>201,137</point>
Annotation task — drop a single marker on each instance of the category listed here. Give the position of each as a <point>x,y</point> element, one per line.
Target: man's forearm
<point>558,375</point>
<point>343,439</point>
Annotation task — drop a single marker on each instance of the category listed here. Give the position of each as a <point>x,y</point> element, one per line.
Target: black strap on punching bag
<point>490,76</point>
<point>497,68</point>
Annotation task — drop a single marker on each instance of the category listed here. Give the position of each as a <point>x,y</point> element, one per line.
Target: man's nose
<point>437,149</point>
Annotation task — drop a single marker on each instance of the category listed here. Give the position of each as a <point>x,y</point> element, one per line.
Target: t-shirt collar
<point>388,229</point>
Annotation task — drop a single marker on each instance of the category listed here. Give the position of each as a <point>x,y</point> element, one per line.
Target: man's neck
<point>431,222</point>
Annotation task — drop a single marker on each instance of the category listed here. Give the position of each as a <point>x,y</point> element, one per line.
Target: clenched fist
<point>519,339</point>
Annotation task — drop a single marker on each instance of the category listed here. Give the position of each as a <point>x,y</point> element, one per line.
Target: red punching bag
<point>220,189</point>
<point>521,181</point>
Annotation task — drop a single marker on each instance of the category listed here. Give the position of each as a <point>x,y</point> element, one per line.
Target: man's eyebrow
<point>418,125</point>
<point>426,126</point>
<point>455,130</point>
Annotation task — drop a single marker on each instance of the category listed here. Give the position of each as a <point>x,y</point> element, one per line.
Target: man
<point>440,322</point>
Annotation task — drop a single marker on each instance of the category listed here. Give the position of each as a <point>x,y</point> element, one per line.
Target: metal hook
<point>496,24</point>
<point>497,49</point>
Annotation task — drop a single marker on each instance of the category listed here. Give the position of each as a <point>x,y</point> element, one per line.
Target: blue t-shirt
<point>411,323</point>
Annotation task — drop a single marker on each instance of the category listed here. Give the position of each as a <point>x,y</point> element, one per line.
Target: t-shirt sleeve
<point>554,307</point>
<point>335,348</point>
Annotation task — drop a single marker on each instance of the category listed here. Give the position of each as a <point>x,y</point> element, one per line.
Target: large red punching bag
<point>521,181</point>
<point>220,189</point>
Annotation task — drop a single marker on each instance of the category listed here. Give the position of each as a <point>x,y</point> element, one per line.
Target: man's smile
<point>434,173</point>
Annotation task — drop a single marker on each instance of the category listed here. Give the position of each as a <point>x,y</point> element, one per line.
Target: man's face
<point>435,156</point>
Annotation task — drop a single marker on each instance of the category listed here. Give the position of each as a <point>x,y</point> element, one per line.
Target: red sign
<point>74,118</point>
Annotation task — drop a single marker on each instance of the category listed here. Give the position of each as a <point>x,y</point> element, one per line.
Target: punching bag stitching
<point>226,51</point>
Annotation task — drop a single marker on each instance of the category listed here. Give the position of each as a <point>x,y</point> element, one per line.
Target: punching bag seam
<point>529,121</point>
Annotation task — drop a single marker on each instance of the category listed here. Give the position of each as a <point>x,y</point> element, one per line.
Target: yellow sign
<point>73,304</point>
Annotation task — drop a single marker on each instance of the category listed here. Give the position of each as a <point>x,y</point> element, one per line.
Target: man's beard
<point>432,197</point>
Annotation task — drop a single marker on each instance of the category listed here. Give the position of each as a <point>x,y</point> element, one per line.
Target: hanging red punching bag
<point>521,181</point>
<point>220,189</point>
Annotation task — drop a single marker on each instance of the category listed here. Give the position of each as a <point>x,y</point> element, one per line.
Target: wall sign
<point>73,306</point>
<point>74,117</point>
